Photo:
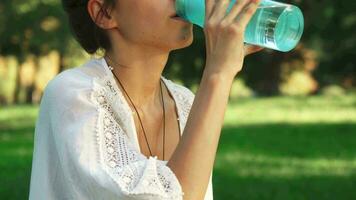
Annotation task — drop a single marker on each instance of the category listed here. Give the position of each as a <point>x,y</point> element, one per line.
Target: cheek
<point>151,28</point>
<point>145,19</point>
<point>141,26</point>
<point>147,14</point>
<point>150,24</point>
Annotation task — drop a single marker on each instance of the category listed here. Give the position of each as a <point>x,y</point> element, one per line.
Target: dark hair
<point>90,36</point>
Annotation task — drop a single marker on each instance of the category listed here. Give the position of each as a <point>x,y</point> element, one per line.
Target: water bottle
<point>274,25</point>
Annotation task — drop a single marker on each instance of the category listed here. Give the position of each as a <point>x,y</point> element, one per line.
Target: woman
<point>112,128</point>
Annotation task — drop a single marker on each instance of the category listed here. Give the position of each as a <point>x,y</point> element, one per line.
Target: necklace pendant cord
<point>163,108</point>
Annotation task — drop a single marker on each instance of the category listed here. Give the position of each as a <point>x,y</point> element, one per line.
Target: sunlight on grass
<point>17,112</point>
<point>316,109</point>
<point>245,164</point>
<point>19,151</point>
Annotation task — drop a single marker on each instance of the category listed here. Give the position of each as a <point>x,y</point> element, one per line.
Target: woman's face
<point>150,22</point>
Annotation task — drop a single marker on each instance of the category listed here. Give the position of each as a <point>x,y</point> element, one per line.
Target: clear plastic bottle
<point>275,25</point>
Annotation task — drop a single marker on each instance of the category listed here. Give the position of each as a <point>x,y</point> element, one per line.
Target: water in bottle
<point>274,25</point>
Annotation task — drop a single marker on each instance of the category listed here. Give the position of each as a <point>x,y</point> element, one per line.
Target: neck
<point>139,71</point>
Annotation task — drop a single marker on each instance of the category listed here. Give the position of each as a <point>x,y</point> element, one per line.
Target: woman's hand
<point>250,49</point>
<point>224,35</point>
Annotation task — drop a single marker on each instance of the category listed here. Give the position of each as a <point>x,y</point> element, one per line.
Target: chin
<point>184,41</point>
<point>187,42</point>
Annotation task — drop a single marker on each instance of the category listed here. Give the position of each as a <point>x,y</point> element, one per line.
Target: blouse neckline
<point>170,90</point>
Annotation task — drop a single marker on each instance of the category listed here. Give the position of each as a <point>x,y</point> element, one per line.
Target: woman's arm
<point>193,159</point>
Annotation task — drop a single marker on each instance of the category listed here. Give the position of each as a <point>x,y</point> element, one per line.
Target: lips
<point>177,17</point>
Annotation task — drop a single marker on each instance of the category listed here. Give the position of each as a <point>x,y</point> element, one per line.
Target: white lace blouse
<point>86,146</point>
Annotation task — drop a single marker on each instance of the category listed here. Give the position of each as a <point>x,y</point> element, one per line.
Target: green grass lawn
<point>271,149</point>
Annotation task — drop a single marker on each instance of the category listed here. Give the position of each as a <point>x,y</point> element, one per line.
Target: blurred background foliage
<point>36,44</point>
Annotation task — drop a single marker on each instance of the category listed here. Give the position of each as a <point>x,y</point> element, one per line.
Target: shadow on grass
<point>297,140</point>
<point>276,188</point>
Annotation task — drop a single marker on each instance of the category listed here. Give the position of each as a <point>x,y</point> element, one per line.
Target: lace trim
<point>184,100</point>
<point>131,170</point>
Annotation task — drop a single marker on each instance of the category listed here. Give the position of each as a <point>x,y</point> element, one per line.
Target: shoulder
<point>67,82</point>
<point>73,84</point>
<point>77,78</point>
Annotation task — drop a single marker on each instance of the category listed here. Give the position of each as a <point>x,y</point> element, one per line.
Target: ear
<point>99,15</point>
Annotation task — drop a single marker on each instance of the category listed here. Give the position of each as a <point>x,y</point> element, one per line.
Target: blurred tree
<point>36,29</point>
<point>33,29</point>
<point>330,30</point>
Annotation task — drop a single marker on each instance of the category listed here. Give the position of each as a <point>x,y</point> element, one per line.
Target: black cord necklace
<point>163,107</point>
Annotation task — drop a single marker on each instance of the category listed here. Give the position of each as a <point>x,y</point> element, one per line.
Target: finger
<point>209,5</point>
<point>236,9</point>
<point>219,11</point>
<point>250,49</point>
<point>245,16</point>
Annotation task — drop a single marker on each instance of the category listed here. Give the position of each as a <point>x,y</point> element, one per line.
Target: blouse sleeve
<point>95,153</point>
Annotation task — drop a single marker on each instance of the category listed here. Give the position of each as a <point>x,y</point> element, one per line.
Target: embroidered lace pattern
<point>132,171</point>
<point>184,101</point>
